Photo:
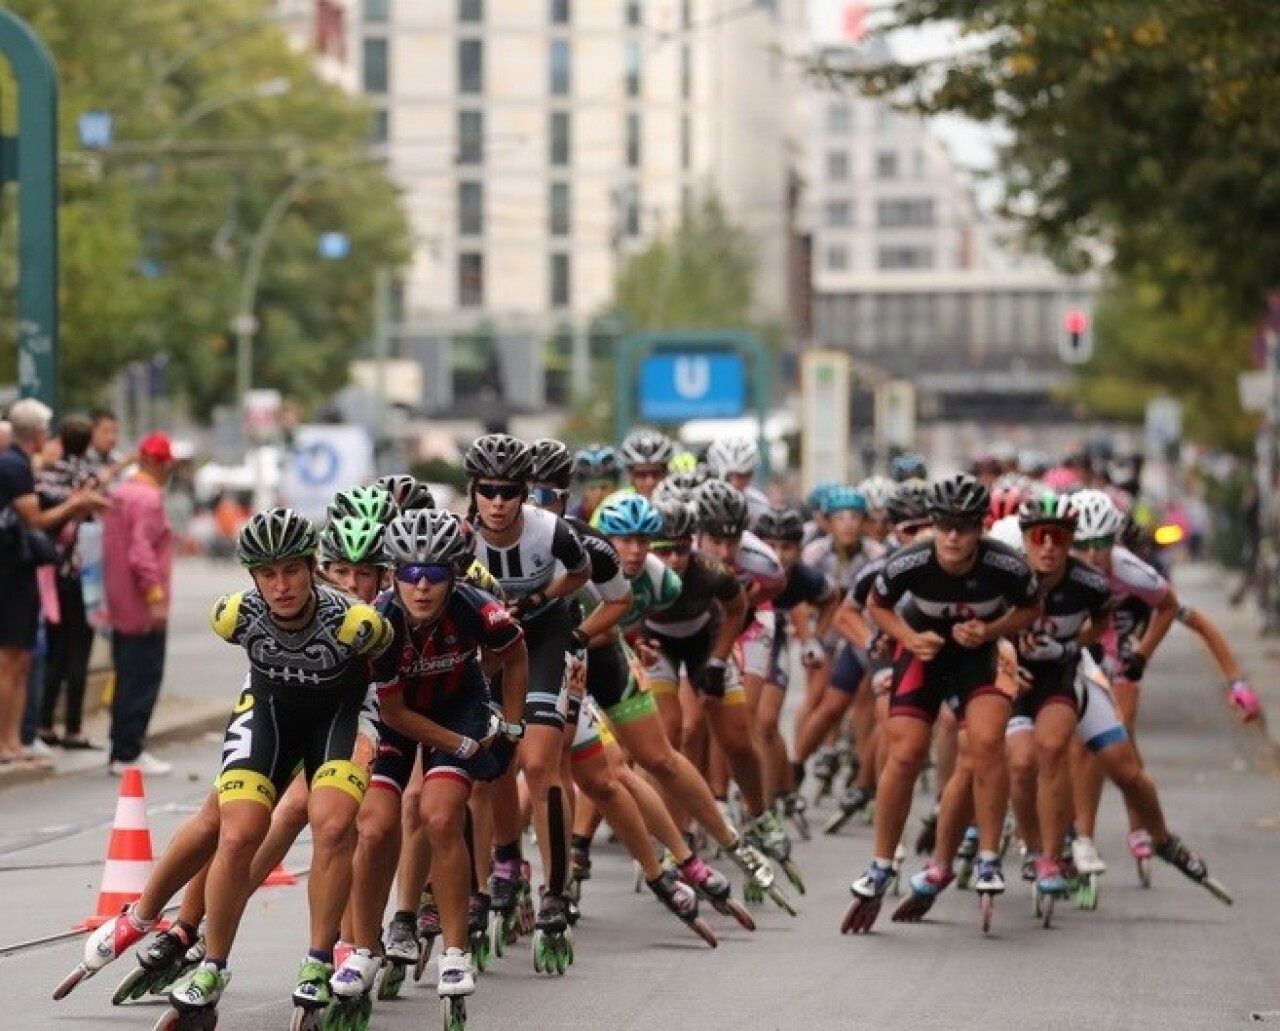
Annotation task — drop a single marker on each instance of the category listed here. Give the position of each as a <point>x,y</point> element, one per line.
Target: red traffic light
<point>1075,321</point>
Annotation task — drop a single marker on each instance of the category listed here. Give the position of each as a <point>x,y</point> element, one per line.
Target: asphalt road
<point>1171,957</point>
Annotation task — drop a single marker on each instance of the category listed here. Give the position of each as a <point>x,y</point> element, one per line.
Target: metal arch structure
<point>742,343</point>
<point>31,160</point>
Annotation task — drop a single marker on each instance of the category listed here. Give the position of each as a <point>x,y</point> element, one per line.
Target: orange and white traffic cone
<point>129,856</point>
<point>279,878</point>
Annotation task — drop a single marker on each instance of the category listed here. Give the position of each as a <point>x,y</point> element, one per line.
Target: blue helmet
<point>844,499</point>
<point>818,496</point>
<point>632,515</point>
<point>910,466</point>
<point>597,462</point>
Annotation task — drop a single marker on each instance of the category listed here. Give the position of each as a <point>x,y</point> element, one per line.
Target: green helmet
<point>273,536</point>
<point>355,540</point>
<point>372,503</point>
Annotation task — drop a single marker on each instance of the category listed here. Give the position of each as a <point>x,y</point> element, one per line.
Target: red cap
<point>157,447</point>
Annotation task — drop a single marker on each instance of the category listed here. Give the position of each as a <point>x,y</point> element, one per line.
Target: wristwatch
<point>513,731</point>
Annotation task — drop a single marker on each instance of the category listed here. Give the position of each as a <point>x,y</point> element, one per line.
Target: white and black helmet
<point>552,462</point>
<point>733,455</point>
<point>428,537</point>
<point>497,456</point>
<point>678,487</point>
<point>877,490</point>
<point>407,493</point>
<point>721,509</point>
<point>274,536</point>
<point>780,524</point>
<point>959,497</point>
<point>1096,515</point>
<point>678,518</point>
<point>644,446</point>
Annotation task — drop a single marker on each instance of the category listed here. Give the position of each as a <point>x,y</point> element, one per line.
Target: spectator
<point>20,515</point>
<point>104,459</point>
<point>6,434</point>
<point>70,640</point>
<point>138,545</point>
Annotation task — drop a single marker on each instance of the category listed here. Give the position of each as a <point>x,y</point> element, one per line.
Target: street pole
<point>381,352</point>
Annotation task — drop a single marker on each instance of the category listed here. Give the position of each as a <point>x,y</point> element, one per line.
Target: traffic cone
<point>279,878</point>
<point>129,856</point>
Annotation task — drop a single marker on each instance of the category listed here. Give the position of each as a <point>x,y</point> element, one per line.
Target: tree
<point>1142,133</point>
<point>156,230</point>
<point>698,277</point>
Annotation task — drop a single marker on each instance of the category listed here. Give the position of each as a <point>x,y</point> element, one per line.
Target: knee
<point>332,832</point>
<point>1051,753</point>
<point>986,750</point>
<point>410,816</point>
<point>377,832</point>
<point>540,773</point>
<point>239,842</point>
<point>443,825</point>
<point>903,760</point>
<point>1022,767</point>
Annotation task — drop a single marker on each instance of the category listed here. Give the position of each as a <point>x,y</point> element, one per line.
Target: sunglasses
<point>414,575</point>
<point>600,485</point>
<point>506,491</point>
<point>672,548</point>
<point>911,529</point>
<point>950,524</point>
<point>544,496</point>
<point>1096,543</point>
<point>647,472</point>
<point>1039,535</point>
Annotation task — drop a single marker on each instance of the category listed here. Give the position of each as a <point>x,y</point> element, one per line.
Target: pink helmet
<point>1062,479</point>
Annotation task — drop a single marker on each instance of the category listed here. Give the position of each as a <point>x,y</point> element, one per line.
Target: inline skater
<point>596,472</point>
<point>735,460</point>
<point>646,454</point>
<point>966,592</point>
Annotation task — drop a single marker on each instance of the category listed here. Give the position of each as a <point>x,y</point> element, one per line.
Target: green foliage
<point>156,231</point>
<point>697,277</point>
<point>1146,133</point>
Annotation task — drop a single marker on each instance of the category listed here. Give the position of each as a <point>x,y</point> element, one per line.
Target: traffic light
<point>1075,337</point>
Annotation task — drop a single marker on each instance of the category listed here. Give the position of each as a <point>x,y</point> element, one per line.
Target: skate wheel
<point>307,1019</point>
<point>1144,872</point>
<point>704,931</point>
<point>735,909</point>
<point>833,825</point>
<point>793,875</point>
<point>424,954</point>
<point>802,827</point>
<point>133,986</point>
<point>987,904</point>
<point>1037,902</point>
<point>390,980</point>
<point>780,899</point>
<point>1218,891</point>
<point>68,983</point>
<point>539,960</point>
<point>1046,912</point>
<point>637,883</point>
<point>453,1011</point>
<point>497,937</point>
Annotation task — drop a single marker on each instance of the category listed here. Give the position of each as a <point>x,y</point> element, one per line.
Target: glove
<point>578,640</point>
<point>812,653</point>
<point>467,747</point>
<point>1042,647</point>
<point>1244,701</point>
<point>1133,666</point>
<point>713,675</point>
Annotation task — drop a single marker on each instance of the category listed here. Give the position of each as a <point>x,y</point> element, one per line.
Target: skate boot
<point>868,893</point>
<point>1050,884</point>
<point>399,952</point>
<point>504,916</point>
<point>1140,849</point>
<point>927,839</point>
<point>195,1000</point>
<point>352,986</point>
<point>478,932</point>
<point>714,886</point>
<point>988,882</point>
<point>1089,868</point>
<point>311,995</point>
<point>524,898</point>
<point>926,886</point>
<point>1175,852</point>
<point>682,900</point>
<point>769,836</point>
<point>899,859</point>
<point>795,808</point>
<point>825,766</point>
<point>580,871</point>
<point>170,954</point>
<point>427,929</point>
<point>965,855</point>
<point>106,945</point>
<point>854,802</point>
<point>1028,869</point>
<point>455,983</point>
<point>759,874</point>
<point>849,759</point>
<point>552,941</point>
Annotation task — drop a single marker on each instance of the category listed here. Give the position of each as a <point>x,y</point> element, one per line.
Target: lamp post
<point>276,87</point>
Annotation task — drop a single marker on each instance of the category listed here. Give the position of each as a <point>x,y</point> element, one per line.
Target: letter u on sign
<point>693,377</point>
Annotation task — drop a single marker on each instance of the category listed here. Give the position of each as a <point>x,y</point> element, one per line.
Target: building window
<point>838,214</point>
<point>838,165</point>
<point>905,258</point>
<point>631,61</point>
<point>470,208</point>
<point>470,10</point>
<point>561,68</point>
<point>686,143</point>
<point>377,12</point>
<point>561,12</point>
<point>561,285</point>
<point>634,12</point>
<point>559,209</point>
<point>886,164</point>
<point>686,73</point>
<point>381,126</point>
<point>918,163</point>
<point>470,137</point>
<point>561,142</point>
<point>686,13</point>
<point>633,139</point>
<point>895,214</point>
<point>839,118</point>
<point>470,280</point>
<point>470,66</point>
<point>628,199</point>
<point>837,258</point>
<point>376,72</point>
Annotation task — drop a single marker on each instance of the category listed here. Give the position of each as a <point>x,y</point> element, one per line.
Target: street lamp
<point>276,87</point>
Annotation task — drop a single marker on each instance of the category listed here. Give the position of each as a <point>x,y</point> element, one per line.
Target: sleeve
<point>226,617</point>
<point>1024,587</point>
<point>817,586</point>
<point>384,669</point>
<point>147,531</point>
<point>480,577</point>
<point>889,587</point>
<point>496,629</point>
<point>567,549</point>
<point>724,585</point>
<point>668,589</point>
<point>606,574</point>
<point>366,630</point>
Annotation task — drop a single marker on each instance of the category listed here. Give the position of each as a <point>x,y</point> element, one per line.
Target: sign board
<point>324,460</point>
<point>676,387</point>
<point>262,410</point>
<point>824,411</point>
<point>896,415</point>
<point>1255,391</point>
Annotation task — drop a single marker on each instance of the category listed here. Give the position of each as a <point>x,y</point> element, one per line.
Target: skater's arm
<point>399,717</point>
<point>731,623</point>
<point>515,679</point>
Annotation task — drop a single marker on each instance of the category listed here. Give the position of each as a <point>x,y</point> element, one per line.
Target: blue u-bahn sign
<point>678,386</point>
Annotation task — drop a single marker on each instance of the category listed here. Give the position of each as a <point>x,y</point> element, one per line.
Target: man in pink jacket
<point>138,548</point>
